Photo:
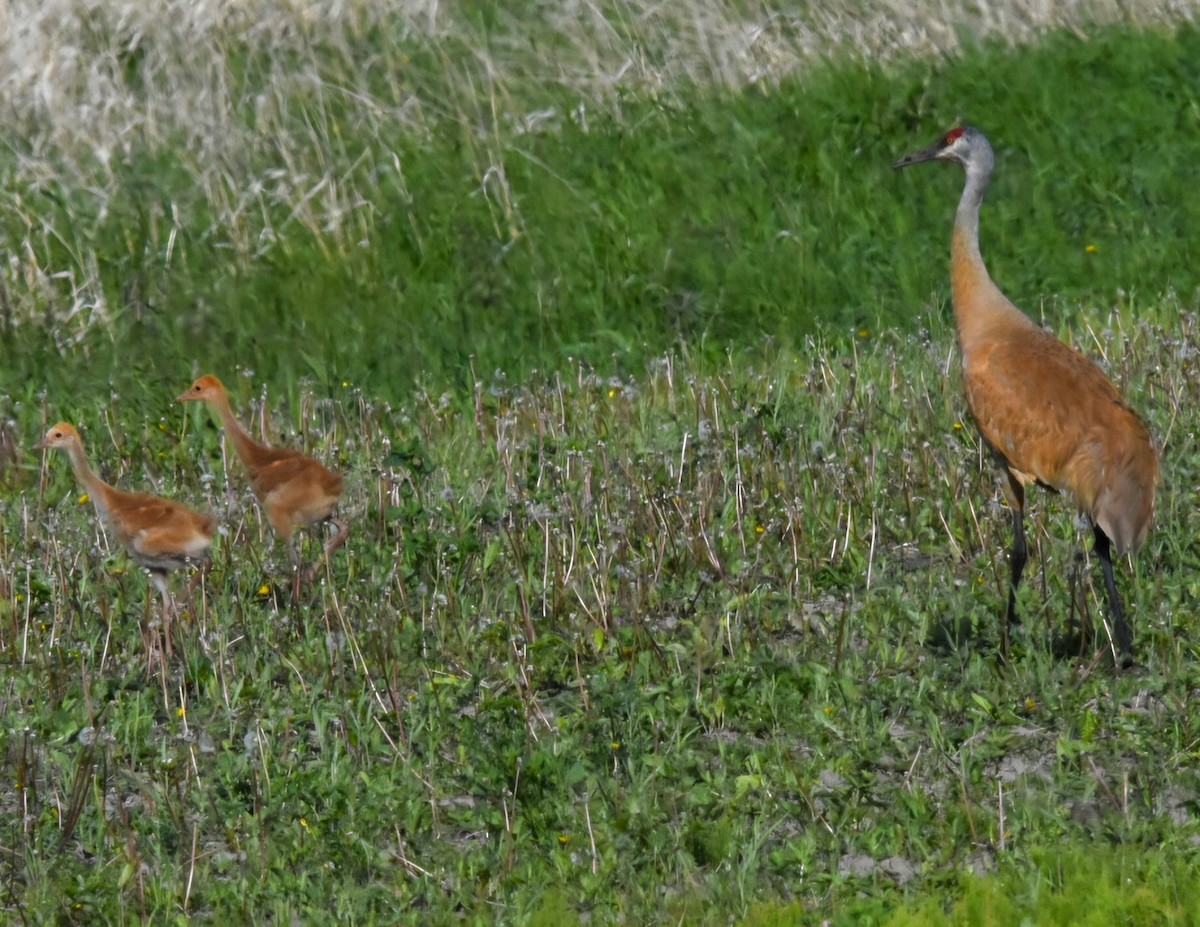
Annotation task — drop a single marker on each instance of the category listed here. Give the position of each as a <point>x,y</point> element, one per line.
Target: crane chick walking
<point>1049,414</point>
<point>295,489</point>
<point>160,535</point>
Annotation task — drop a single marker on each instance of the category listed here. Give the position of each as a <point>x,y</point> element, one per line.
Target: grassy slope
<point>711,220</point>
<point>698,626</point>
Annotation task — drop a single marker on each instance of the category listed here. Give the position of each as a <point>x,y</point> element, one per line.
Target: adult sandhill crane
<point>159,535</point>
<point>1049,414</point>
<point>292,487</point>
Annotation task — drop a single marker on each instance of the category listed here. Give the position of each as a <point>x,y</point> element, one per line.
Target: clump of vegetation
<point>711,638</point>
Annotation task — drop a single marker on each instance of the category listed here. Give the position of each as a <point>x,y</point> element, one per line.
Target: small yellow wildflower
<point>612,394</point>
<point>616,745</point>
<point>304,823</point>
<point>1031,704</point>
<point>759,529</point>
<point>85,499</point>
<point>864,333</point>
<point>958,426</point>
<point>345,384</point>
<point>829,709</point>
<point>180,711</point>
<point>1091,249</point>
<point>563,840</point>
<point>264,589</point>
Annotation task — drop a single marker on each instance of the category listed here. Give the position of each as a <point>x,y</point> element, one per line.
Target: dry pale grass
<point>83,81</point>
<point>660,45</point>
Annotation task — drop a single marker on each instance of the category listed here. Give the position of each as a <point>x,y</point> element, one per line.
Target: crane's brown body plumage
<point>160,535</point>
<point>294,489</point>
<point>1050,415</point>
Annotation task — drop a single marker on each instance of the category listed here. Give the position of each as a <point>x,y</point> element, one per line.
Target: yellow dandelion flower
<point>612,394</point>
<point>1091,249</point>
<point>345,384</point>
<point>180,711</point>
<point>563,840</point>
<point>85,499</point>
<point>264,589</point>
<point>864,333</point>
<point>759,529</point>
<point>616,745</point>
<point>958,426</point>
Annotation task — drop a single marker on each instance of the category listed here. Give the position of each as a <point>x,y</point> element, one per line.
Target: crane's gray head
<point>965,145</point>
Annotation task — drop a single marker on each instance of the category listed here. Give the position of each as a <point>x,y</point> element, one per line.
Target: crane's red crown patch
<point>953,136</point>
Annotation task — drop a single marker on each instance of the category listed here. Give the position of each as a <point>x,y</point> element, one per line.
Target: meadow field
<point>674,587</point>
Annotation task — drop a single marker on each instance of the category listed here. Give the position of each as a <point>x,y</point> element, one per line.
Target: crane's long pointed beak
<point>925,154</point>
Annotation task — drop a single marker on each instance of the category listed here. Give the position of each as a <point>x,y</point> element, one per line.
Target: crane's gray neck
<point>979,173</point>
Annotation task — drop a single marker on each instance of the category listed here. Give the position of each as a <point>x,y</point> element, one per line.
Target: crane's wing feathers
<point>294,468</point>
<point>1054,417</point>
<point>160,533</point>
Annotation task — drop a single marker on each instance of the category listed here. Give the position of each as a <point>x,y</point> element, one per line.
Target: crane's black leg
<point>1122,635</point>
<point>1019,551</point>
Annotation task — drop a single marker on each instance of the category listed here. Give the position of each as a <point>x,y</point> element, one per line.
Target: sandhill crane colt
<point>159,535</point>
<point>1050,415</point>
<point>292,487</point>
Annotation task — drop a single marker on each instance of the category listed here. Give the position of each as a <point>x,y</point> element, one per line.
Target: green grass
<point>671,647</point>
<point>675,578</point>
<point>1097,887</point>
<point>713,219</point>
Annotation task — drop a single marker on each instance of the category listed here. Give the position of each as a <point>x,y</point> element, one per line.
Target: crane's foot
<point>203,568</point>
<point>1122,639</point>
<point>341,532</point>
